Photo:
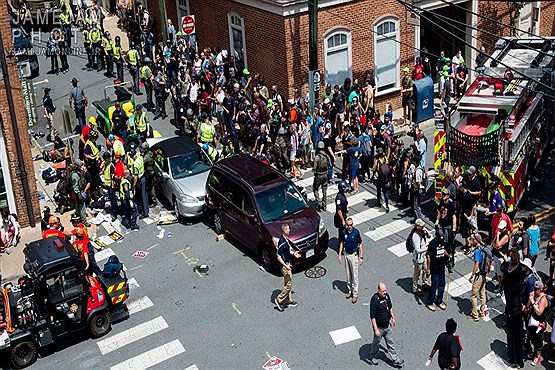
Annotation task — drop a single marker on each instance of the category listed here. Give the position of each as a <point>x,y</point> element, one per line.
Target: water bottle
<point>428,362</point>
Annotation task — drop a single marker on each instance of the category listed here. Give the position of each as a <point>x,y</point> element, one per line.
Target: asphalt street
<point>225,318</point>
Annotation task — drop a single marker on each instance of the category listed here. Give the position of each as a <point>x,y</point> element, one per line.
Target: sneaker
<point>431,307</point>
<point>536,361</point>
<point>399,363</point>
<point>278,305</point>
<point>473,318</point>
<point>292,304</point>
<point>355,299</point>
<point>348,295</point>
<point>373,361</point>
<point>442,306</point>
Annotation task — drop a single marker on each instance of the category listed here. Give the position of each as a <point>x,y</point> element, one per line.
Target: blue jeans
<point>381,189</point>
<point>438,284</point>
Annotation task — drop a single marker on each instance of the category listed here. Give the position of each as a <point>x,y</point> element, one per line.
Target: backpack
<point>366,147</point>
<point>112,267</point>
<point>408,243</point>
<point>322,162</point>
<point>485,263</point>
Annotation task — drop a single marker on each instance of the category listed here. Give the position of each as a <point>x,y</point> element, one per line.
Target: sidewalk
<point>11,266</point>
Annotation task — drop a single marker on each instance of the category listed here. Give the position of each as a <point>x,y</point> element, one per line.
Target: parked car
<point>250,200</point>
<point>180,173</point>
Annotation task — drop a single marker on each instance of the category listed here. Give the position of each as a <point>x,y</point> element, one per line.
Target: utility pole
<point>313,73</point>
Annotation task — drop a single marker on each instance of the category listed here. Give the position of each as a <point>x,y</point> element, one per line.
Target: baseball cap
<point>445,68</point>
<point>538,285</point>
<point>419,222</point>
<point>461,61</point>
<point>406,69</point>
<point>471,170</point>
<point>445,74</point>
<point>321,145</point>
<point>246,72</point>
<point>499,207</point>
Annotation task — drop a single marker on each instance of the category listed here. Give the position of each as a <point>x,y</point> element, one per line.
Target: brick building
<point>15,169</point>
<point>355,36</point>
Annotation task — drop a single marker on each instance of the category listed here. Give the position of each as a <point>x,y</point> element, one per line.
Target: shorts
<point>293,155</point>
<point>497,262</point>
<point>405,101</point>
<point>466,229</point>
<point>341,117</point>
<point>353,174</point>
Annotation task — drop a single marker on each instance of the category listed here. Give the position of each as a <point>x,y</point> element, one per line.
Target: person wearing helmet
<point>211,152</point>
<point>322,163</point>
<point>148,80</point>
<point>53,228</point>
<point>86,251</point>
<point>85,136</point>
<point>92,160</point>
<point>96,38</point>
<point>133,62</point>
<point>118,59</point>
<point>206,130</point>
<point>76,223</point>
<point>128,159</point>
<point>141,123</point>
<point>461,75</point>
<point>120,123</point>
<point>341,207</point>
<point>139,183</point>
<point>160,94</point>
<point>148,160</point>
<point>129,219</point>
<point>78,101</point>
<point>107,171</point>
<point>108,47</point>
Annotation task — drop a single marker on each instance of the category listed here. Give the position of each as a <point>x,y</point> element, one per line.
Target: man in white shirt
<point>419,256</point>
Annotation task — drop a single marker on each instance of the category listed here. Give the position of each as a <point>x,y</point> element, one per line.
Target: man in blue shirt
<point>351,242</point>
<point>284,252</point>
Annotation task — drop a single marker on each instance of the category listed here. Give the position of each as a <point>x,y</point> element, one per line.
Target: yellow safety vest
<point>124,182</point>
<point>130,162</point>
<point>86,37</point>
<point>95,35</point>
<point>64,18</point>
<point>107,44</point>
<point>140,122</point>
<point>108,175</point>
<point>117,52</point>
<point>207,132</point>
<point>146,73</point>
<point>132,57</point>
<point>118,148</point>
<point>139,165</point>
<point>95,153</point>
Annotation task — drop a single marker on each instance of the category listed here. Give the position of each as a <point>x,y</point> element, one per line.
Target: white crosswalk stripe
<point>132,283</point>
<point>492,361</point>
<point>131,335</point>
<point>103,254</point>
<point>366,215</point>
<point>353,200</point>
<point>307,181</point>
<point>388,229</point>
<point>331,191</point>
<point>152,357</point>
<point>399,250</point>
<point>139,305</point>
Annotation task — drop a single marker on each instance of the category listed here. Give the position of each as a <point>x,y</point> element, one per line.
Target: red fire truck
<point>503,123</point>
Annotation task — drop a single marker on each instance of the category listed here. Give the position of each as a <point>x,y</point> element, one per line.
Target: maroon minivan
<point>250,200</point>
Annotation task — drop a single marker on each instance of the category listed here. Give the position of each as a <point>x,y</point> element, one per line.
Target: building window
<point>337,52</point>
<point>386,56</point>
<point>237,40</point>
<point>182,11</point>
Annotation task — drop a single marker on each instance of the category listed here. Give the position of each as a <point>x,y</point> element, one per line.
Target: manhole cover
<point>315,272</point>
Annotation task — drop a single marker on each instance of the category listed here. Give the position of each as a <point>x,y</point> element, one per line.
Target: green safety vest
<point>86,37</point>
<point>140,122</point>
<point>212,153</point>
<point>130,161</point>
<point>146,73</point>
<point>139,166</point>
<point>132,57</point>
<point>124,182</point>
<point>108,175</point>
<point>64,18</point>
<point>107,44</point>
<point>207,132</point>
<point>117,52</point>
<point>94,150</point>
<point>95,35</point>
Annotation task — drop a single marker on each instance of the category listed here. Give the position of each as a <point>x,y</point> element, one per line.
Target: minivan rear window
<point>279,201</point>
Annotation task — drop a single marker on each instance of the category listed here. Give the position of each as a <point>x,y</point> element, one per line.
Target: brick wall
<point>495,10</point>
<point>547,18</point>
<point>17,184</point>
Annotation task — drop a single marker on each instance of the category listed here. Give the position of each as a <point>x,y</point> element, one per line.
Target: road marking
<point>345,335</point>
<point>388,229</point>
<point>305,182</point>
<point>182,250</point>
<point>154,246</point>
<point>156,134</point>
<point>332,191</point>
<point>545,214</point>
<point>192,367</point>
<point>268,354</point>
<point>369,214</point>
<point>132,283</point>
<point>148,220</point>
<point>104,254</point>
<point>460,286</point>
<point>131,335</point>
<point>235,308</point>
<point>133,268</point>
<point>353,200</point>
<point>152,357</point>
<point>399,250</point>
<point>492,361</point>
<point>139,305</point>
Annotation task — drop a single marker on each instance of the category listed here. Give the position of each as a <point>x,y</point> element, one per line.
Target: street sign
<point>140,254</point>
<point>28,93</point>
<point>316,80</point>
<point>188,24</point>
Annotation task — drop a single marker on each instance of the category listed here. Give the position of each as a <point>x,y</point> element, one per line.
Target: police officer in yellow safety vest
<point>96,39</point>
<point>92,160</point>
<point>141,123</point>
<point>108,54</point>
<point>133,60</point>
<point>139,183</point>
<point>206,130</point>
<point>65,22</point>
<point>119,58</point>
<point>128,160</point>
<point>107,170</point>
<point>211,152</point>
<point>129,219</point>
<point>87,44</point>
<point>147,78</point>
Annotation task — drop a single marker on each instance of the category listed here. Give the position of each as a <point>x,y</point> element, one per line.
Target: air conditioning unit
<point>24,69</point>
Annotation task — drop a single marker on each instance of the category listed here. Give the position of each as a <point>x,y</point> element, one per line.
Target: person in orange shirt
<point>76,222</point>
<point>86,251</point>
<point>53,228</point>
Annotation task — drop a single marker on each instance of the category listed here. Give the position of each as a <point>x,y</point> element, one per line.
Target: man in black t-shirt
<point>467,218</point>
<point>449,348</point>
<point>435,266</point>
<point>447,221</point>
<point>472,183</point>
<point>383,321</point>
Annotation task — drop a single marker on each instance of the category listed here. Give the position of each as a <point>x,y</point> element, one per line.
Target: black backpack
<point>485,264</point>
<point>408,243</point>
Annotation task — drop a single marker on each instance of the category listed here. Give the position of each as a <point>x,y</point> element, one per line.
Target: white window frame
<point>377,23</point>
<point>241,28</point>
<point>181,8</point>
<point>349,46</point>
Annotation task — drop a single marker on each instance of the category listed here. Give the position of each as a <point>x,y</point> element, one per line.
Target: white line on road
<point>132,283</point>
<point>139,304</point>
<point>103,254</point>
<point>305,182</point>
<point>132,335</point>
<point>192,367</point>
<point>399,250</point>
<point>353,200</point>
<point>152,357</point>
<point>345,335</point>
<point>492,361</point>
<point>331,191</point>
<point>388,229</point>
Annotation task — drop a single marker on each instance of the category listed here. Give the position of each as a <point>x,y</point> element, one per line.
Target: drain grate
<point>315,272</point>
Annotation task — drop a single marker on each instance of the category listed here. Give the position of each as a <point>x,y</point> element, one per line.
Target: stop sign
<point>188,24</point>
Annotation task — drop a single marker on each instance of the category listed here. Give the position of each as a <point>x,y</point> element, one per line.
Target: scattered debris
<point>167,217</point>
